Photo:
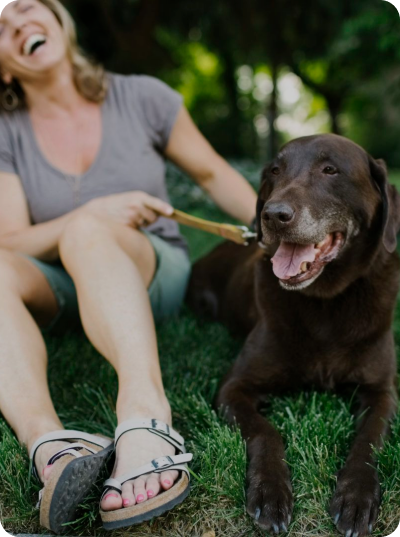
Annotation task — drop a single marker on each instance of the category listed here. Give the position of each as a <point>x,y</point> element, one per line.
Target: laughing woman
<point>82,179</point>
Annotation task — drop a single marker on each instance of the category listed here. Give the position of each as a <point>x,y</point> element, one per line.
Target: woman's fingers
<point>147,216</point>
<point>158,205</point>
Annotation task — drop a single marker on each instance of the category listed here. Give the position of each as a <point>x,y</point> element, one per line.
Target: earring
<point>9,99</point>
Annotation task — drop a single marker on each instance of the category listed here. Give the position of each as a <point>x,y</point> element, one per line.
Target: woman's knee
<point>84,230</point>
<point>25,281</point>
<point>21,278</point>
<point>11,276</point>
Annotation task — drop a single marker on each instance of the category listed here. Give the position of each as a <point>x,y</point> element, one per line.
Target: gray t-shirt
<point>137,118</point>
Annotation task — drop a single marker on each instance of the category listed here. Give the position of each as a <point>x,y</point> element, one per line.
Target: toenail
<point>140,498</point>
<point>126,502</point>
<point>150,493</point>
<point>111,494</point>
<point>45,468</point>
<point>167,482</point>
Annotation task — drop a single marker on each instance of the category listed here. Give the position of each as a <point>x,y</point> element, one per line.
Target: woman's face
<point>32,41</point>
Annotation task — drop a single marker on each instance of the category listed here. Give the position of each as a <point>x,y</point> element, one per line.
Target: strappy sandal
<point>165,500</point>
<point>71,478</point>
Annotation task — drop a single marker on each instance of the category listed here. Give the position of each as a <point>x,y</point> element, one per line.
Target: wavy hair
<point>89,77</point>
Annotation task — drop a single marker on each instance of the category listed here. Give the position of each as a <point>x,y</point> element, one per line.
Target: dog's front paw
<point>354,506</point>
<point>269,496</point>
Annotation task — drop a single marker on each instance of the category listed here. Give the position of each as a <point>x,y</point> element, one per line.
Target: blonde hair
<point>89,77</point>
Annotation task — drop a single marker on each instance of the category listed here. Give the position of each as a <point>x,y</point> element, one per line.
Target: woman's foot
<point>134,449</point>
<point>43,455</point>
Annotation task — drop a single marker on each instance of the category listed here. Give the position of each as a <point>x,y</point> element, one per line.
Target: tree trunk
<point>231,89</point>
<point>334,107</point>
<point>272,115</point>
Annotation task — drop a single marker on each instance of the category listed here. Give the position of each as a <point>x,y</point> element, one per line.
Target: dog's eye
<point>275,170</point>
<point>330,170</point>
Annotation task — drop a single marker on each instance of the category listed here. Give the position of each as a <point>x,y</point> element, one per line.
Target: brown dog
<point>320,314</point>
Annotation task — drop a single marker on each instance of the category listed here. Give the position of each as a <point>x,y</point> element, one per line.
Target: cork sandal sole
<point>136,514</point>
<point>69,482</point>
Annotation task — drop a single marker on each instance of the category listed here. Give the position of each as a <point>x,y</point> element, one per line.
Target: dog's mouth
<point>297,263</point>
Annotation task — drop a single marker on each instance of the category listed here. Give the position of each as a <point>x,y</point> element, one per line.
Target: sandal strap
<point>72,449</point>
<point>174,462</point>
<point>154,426</point>
<point>67,435</point>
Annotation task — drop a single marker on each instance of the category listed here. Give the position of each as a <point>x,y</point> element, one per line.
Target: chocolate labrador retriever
<point>316,297</point>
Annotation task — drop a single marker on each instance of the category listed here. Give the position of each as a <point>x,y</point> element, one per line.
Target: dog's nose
<point>278,213</point>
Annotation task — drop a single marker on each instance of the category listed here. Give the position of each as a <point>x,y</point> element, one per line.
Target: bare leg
<point>26,298</point>
<point>111,266</point>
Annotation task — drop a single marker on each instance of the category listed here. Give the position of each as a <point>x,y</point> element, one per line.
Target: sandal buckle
<point>162,462</point>
<point>160,426</point>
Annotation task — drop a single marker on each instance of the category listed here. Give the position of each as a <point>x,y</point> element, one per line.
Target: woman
<point>81,175</point>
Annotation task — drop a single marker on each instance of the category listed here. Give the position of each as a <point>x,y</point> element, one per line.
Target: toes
<point>153,485</point>
<point>355,504</point>
<point>128,497</point>
<point>139,489</point>
<point>270,501</point>
<point>373,516</point>
<point>46,472</point>
<point>168,479</point>
<point>111,501</point>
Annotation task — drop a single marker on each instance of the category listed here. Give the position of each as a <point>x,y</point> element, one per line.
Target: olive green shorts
<point>166,291</point>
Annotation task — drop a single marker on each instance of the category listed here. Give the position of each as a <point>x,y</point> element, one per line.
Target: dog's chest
<point>320,342</point>
<point>325,372</point>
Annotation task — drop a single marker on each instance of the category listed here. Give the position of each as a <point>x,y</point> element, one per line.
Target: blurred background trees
<point>255,74</point>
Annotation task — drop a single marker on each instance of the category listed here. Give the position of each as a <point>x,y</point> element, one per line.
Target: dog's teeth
<point>320,244</point>
<point>303,266</point>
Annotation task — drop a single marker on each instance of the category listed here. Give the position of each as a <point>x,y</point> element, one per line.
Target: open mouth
<point>297,263</point>
<point>32,44</point>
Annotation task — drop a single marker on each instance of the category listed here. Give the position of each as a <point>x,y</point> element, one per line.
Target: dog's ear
<point>391,203</point>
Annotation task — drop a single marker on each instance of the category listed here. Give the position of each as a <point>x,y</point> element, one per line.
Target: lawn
<point>317,427</point>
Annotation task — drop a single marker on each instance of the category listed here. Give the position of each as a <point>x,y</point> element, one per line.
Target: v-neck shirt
<point>137,114</point>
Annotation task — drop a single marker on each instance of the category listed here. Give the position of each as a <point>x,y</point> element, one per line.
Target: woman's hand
<point>134,209</point>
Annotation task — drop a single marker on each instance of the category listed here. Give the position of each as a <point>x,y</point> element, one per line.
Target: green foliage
<point>345,53</point>
<point>196,74</point>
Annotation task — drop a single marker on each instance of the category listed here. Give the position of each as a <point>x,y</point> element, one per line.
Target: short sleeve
<point>159,105</point>
<point>7,160</point>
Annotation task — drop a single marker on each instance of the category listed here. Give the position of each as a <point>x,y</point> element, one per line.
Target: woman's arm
<point>42,240</point>
<point>16,232</point>
<point>188,148</point>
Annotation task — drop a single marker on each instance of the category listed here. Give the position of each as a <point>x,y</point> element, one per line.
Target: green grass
<point>317,427</point>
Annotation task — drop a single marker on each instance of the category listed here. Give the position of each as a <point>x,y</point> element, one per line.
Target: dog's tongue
<point>289,257</point>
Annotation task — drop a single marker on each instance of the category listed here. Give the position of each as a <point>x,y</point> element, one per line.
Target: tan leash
<point>238,234</point>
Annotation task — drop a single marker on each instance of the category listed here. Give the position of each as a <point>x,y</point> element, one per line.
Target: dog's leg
<point>355,504</point>
<point>269,491</point>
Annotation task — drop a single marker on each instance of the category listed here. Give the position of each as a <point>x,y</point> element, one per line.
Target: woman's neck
<point>53,94</point>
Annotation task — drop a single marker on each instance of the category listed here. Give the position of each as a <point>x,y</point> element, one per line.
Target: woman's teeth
<point>32,43</point>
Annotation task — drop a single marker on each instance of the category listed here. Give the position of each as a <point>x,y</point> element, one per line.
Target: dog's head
<point>325,207</point>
